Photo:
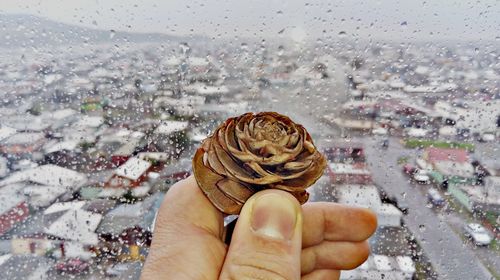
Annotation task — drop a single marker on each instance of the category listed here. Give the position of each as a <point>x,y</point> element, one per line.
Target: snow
<point>365,196</point>
<point>64,145</point>
<point>90,121</point>
<point>344,168</point>
<point>10,197</point>
<point>111,192</point>
<point>24,138</point>
<point>141,191</point>
<point>382,262</point>
<point>6,132</point>
<point>76,225</point>
<point>169,127</point>
<point>4,258</point>
<point>49,174</point>
<point>64,206</point>
<point>212,90</point>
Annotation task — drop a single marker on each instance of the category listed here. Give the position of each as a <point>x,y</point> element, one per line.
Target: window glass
<point>104,103</point>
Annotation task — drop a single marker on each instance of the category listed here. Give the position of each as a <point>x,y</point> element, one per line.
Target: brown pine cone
<point>252,152</point>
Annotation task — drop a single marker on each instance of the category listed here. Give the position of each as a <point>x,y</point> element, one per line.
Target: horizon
<point>301,22</point>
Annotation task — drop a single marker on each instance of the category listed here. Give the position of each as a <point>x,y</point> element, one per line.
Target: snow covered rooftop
<point>359,195</point>
<point>77,225</point>
<point>10,197</point>
<point>49,174</point>
<point>344,168</point>
<point>64,206</point>
<point>6,132</point>
<point>90,121</point>
<point>133,168</point>
<point>169,127</point>
<point>63,145</point>
<point>24,138</point>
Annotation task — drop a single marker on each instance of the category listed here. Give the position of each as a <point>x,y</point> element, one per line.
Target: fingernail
<point>274,216</point>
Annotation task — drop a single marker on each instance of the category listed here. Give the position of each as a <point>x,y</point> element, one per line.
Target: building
<point>22,144</point>
<point>62,230</point>
<point>345,173</point>
<point>368,196</point>
<point>125,232</point>
<point>14,207</point>
<point>32,189</point>
<point>478,198</point>
<point>17,267</point>
<point>130,175</point>
<point>382,267</point>
<point>449,165</point>
<point>350,152</point>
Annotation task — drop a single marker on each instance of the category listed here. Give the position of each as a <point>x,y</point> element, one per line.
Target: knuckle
<point>262,267</point>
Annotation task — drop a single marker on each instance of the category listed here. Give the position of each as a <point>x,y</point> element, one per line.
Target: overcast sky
<point>432,19</point>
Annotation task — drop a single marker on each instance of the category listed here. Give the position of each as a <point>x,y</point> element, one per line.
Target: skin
<point>187,240</point>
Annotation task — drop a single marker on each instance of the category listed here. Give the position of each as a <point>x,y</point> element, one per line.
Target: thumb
<point>267,240</point>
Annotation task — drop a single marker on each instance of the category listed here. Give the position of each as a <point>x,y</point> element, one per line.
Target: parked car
<point>72,266</point>
<point>116,269</point>
<point>379,131</point>
<point>435,198</point>
<point>487,137</point>
<point>409,169</point>
<point>421,177</point>
<point>478,234</point>
<point>385,143</point>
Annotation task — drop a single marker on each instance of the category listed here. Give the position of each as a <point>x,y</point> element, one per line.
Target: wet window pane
<point>104,103</point>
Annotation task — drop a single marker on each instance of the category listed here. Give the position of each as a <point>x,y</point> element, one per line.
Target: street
<point>450,257</point>
<point>448,254</point>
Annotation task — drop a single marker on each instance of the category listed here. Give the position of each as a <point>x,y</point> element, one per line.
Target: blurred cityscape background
<point>97,123</point>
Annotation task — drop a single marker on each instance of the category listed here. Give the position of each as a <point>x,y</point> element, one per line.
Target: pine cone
<point>250,153</point>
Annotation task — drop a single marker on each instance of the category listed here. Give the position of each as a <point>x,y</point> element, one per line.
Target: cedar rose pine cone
<point>250,153</point>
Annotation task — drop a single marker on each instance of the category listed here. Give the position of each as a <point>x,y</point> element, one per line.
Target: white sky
<point>431,19</point>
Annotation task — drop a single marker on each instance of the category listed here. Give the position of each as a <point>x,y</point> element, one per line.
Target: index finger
<point>336,222</point>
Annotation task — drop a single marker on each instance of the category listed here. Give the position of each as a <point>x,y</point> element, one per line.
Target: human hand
<point>274,238</point>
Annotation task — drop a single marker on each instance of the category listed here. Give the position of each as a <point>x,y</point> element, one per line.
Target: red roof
<point>442,154</point>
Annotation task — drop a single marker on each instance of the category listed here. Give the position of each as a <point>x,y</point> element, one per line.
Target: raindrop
<point>112,34</point>
<point>342,34</point>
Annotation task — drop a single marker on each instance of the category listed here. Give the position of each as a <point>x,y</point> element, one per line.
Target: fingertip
<point>369,219</point>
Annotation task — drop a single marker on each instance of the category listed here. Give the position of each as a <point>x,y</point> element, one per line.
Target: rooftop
<point>49,174</point>
<point>23,138</point>
<point>133,168</point>
<point>446,154</point>
<point>169,127</point>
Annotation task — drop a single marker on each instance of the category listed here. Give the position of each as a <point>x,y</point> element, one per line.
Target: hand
<point>274,238</point>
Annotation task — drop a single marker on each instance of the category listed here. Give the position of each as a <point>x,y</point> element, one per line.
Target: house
<point>6,132</point>
<point>64,229</point>
<point>345,152</point>
<point>176,171</point>
<point>48,175</point>
<point>166,128</point>
<point>129,175</point>
<point>449,165</point>
<point>125,232</point>
<point>345,173</point>
<point>382,267</point>
<point>368,196</point>
<point>18,267</point>
<point>42,185</point>
<point>127,150</point>
<point>13,209</point>
<point>22,144</point>
<point>478,198</point>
